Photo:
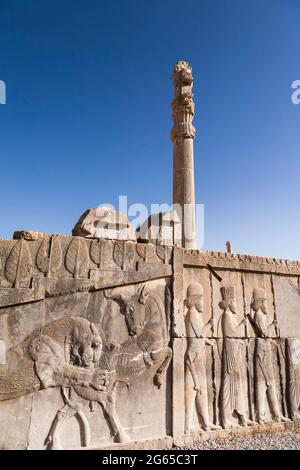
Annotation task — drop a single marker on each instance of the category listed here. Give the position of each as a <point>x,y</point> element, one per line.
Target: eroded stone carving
<point>183,105</point>
<point>146,348</point>
<point>96,252</point>
<point>141,250</point>
<point>293,376</point>
<point>104,222</point>
<point>265,385</point>
<point>163,229</point>
<point>77,258</point>
<point>62,353</point>
<point>119,254</point>
<point>18,265</point>
<point>49,256</point>
<point>29,235</point>
<point>195,360</point>
<point>232,399</point>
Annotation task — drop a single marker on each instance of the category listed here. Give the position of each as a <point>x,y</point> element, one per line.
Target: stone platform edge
<point>169,442</point>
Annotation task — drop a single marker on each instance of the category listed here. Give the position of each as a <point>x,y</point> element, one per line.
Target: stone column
<point>182,136</point>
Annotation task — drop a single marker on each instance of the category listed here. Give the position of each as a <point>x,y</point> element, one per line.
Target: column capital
<point>182,105</point>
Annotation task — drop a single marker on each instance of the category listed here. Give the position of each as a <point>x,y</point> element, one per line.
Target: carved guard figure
<point>232,400</point>
<point>195,360</point>
<point>265,386</point>
<point>293,376</point>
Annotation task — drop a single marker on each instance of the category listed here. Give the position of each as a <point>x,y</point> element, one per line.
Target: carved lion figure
<point>62,353</point>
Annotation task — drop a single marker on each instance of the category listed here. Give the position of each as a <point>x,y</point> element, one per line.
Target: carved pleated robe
<point>195,353</point>
<point>232,396</point>
<point>264,371</point>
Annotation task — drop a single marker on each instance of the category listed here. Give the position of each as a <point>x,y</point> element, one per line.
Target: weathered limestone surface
<point>85,328</point>
<point>90,327</point>
<point>104,222</point>
<point>28,235</point>
<point>163,228</point>
<point>237,308</point>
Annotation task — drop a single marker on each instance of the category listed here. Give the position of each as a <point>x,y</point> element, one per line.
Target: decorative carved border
<point>240,262</point>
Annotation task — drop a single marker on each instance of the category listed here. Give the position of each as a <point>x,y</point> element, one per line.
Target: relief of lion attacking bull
<point>69,353</point>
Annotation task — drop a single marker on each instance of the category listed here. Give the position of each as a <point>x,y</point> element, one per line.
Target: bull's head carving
<point>133,308</point>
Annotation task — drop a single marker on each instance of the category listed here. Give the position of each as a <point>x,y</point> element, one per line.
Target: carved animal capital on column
<point>183,105</point>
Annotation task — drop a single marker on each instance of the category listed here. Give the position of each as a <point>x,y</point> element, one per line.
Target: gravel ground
<point>275,441</point>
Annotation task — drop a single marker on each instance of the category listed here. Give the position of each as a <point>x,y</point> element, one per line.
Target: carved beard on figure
<point>263,307</point>
<point>195,301</point>
<point>257,305</point>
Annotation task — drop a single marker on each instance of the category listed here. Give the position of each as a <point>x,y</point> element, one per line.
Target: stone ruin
<point>124,341</point>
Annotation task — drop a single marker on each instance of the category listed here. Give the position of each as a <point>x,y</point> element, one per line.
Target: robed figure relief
<point>196,396</point>
<point>293,376</point>
<point>265,385</point>
<point>232,400</point>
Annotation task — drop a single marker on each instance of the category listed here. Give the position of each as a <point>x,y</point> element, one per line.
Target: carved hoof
<point>122,437</point>
<point>158,379</point>
<point>53,443</point>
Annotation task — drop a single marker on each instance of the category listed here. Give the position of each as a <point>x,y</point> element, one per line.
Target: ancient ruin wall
<point>105,341</point>
<point>241,355</point>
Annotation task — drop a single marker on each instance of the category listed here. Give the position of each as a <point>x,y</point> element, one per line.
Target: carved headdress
<point>258,299</point>
<point>194,294</point>
<point>228,296</point>
<point>194,289</point>
<point>227,293</point>
<point>259,294</point>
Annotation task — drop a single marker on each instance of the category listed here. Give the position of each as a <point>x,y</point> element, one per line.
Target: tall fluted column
<point>182,136</point>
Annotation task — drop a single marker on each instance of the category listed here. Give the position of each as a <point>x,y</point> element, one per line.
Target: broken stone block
<point>28,235</point>
<point>163,228</point>
<point>104,222</point>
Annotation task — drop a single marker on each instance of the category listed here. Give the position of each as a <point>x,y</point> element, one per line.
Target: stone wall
<point>243,350</point>
<point>105,342</point>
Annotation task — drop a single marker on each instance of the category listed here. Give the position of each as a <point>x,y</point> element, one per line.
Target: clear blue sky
<point>88,113</point>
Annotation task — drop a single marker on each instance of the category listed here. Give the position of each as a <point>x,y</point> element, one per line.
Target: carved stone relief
<point>265,386</point>
<point>73,354</point>
<point>196,390</point>
<point>228,279</point>
<point>293,377</point>
<point>235,359</point>
<point>18,265</point>
<point>232,396</point>
<point>253,373</point>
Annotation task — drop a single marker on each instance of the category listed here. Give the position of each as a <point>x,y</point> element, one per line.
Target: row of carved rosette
<point>64,257</point>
